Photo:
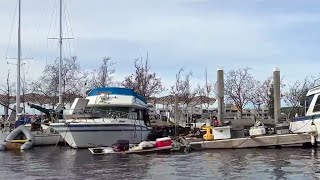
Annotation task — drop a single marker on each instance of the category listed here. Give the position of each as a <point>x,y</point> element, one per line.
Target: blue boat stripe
<point>96,130</point>
<point>116,91</point>
<point>304,118</point>
<point>96,125</point>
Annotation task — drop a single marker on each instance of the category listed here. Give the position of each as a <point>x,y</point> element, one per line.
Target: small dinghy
<point>11,143</point>
<point>122,147</point>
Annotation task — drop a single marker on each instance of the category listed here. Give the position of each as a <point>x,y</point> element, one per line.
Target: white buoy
<point>313,139</point>
<point>313,128</point>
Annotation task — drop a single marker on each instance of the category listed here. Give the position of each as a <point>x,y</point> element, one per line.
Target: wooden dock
<point>252,142</point>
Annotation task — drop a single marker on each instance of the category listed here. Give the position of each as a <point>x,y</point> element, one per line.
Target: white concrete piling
<point>276,86</point>
<point>220,94</point>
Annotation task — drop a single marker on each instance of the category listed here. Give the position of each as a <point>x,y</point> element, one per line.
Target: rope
<point>135,132</point>
<point>38,28</point>
<point>301,126</point>
<point>14,16</point>
<point>51,22</point>
<point>65,134</point>
<point>67,13</point>
<point>249,137</point>
<point>67,34</point>
<point>140,129</point>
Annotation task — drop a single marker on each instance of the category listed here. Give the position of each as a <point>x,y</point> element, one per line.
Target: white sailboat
<point>44,136</point>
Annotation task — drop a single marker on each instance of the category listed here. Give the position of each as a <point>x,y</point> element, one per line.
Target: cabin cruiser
<point>307,123</point>
<point>105,116</point>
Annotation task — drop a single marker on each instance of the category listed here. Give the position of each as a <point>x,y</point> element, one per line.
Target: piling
<point>220,94</point>
<point>176,109</point>
<point>276,86</point>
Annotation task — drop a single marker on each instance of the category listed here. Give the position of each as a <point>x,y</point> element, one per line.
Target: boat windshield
<point>317,105</point>
<point>115,112</point>
<point>308,102</point>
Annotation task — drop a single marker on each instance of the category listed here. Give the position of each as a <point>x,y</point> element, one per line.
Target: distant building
<point>232,112</point>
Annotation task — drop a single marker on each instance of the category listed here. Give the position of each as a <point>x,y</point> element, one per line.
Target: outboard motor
<point>121,145</point>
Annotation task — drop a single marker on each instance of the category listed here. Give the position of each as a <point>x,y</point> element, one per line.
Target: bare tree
<point>239,85</point>
<point>263,95</point>
<point>102,77</point>
<point>24,90</point>
<point>72,80</point>
<point>258,97</point>
<point>295,96</point>
<point>206,91</point>
<point>7,91</point>
<point>187,92</point>
<point>183,88</point>
<point>143,81</point>
<point>315,81</point>
<point>175,89</point>
<point>184,91</point>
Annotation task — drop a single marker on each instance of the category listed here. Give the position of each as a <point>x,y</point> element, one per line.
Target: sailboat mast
<point>18,61</point>
<point>60,56</point>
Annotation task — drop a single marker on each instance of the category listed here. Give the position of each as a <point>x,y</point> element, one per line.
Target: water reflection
<point>66,163</point>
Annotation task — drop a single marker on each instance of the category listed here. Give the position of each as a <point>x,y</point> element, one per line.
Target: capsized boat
<point>161,145</point>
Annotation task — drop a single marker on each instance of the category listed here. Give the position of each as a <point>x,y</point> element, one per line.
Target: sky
<point>188,34</point>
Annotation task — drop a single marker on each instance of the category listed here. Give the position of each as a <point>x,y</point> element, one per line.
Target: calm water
<point>65,163</point>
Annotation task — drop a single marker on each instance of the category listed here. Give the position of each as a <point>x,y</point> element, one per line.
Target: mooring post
<point>176,109</point>
<point>220,94</point>
<point>276,91</point>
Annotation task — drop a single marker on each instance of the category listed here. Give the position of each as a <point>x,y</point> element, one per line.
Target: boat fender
<point>314,128</point>
<point>146,145</point>
<point>313,139</point>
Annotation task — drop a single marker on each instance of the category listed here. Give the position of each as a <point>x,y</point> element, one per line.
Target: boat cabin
<point>110,103</point>
<point>312,102</point>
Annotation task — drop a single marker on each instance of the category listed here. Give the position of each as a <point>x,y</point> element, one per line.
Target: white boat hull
<point>303,125</point>
<point>47,139</point>
<point>85,135</point>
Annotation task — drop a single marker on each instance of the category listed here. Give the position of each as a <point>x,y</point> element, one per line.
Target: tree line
<point>241,88</point>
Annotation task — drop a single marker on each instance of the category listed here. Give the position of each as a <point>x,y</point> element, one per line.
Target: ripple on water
<point>66,163</point>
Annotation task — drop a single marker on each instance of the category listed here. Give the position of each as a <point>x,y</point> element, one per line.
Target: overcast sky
<point>189,34</point>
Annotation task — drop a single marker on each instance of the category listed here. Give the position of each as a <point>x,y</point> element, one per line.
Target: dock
<point>283,140</point>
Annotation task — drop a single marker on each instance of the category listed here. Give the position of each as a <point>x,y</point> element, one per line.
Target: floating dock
<point>252,142</point>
